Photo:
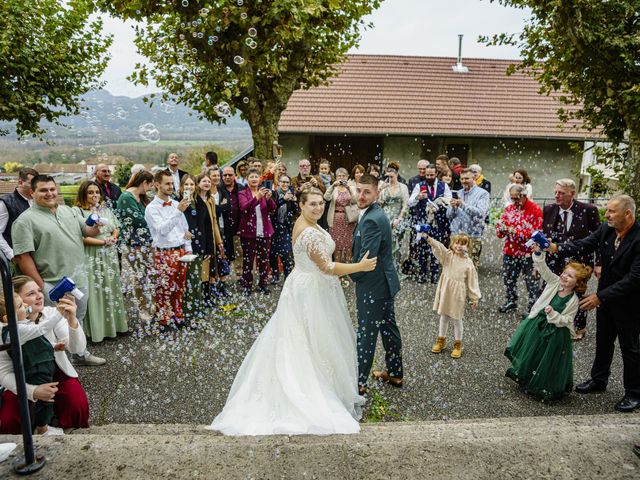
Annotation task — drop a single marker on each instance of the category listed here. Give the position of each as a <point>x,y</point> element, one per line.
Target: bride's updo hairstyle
<point>307,192</point>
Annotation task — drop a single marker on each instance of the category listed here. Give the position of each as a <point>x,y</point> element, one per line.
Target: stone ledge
<point>533,447</point>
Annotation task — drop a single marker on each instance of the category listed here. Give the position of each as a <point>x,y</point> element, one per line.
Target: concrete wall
<point>544,160</point>
<point>404,150</point>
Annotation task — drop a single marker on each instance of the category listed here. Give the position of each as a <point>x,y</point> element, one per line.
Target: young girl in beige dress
<point>459,280</point>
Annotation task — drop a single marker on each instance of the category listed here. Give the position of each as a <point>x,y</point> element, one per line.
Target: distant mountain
<point>118,119</point>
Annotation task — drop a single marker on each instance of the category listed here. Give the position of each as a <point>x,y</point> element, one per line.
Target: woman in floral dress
<point>394,200</point>
<point>341,196</point>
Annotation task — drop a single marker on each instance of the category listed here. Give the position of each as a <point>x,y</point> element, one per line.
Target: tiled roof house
<point>381,108</point>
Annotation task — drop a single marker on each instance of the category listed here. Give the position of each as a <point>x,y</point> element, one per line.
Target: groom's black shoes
<point>628,404</point>
<point>590,386</point>
<point>385,377</point>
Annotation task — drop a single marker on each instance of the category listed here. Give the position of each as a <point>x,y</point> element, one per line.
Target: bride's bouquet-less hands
<point>367,264</point>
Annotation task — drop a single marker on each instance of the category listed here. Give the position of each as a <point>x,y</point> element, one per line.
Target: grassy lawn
<point>68,192</point>
<point>165,143</point>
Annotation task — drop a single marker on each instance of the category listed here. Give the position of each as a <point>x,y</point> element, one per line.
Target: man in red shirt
<point>519,220</point>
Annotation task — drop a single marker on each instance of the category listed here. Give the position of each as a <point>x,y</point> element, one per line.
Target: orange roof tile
<point>8,186</point>
<point>403,95</point>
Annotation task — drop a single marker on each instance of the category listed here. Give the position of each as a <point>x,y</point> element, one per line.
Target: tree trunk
<point>633,182</point>
<point>264,130</point>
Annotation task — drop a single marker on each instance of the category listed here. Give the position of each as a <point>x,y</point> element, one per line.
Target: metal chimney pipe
<point>458,67</point>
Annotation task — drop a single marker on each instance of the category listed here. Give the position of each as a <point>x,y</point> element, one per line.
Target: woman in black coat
<point>282,220</point>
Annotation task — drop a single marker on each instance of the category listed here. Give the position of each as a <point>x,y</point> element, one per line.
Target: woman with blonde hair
<point>241,172</point>
<point>394,200</point>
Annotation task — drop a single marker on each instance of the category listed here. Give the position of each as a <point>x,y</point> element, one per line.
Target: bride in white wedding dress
<point>301,374</point>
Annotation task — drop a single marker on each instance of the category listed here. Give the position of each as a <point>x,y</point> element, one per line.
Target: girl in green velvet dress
<point>541,349</point>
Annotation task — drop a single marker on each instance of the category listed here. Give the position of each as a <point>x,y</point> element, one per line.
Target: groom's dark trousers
<point>374,294</point>
<point>378,316</point>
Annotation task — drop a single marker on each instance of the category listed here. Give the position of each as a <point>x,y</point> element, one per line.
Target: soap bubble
<point>245,100</point>
<point>223,109</point>
<point>251,43</point>
<point>185,3</point>
<point>148,132</point>
<point>238,60</point>
<point>252,32</point>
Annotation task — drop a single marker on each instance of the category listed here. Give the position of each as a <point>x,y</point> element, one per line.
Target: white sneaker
<point>51,431</point>
<point>88,361</point>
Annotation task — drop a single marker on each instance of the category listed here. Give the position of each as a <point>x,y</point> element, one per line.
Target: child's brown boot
<point>457,349</point>
<point>438,346</point>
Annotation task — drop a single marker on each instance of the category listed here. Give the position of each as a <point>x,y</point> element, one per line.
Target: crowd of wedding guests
<point>166,246</point>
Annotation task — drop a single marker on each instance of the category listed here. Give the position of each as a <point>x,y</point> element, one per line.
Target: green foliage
<point>379,406</point>
<point>194,158</point>
<point>600,186</point>
<point>122,173</point>
<point>588,52</point>
<point>219,57</point>
<point>69,193</point>
<point>50,53</point>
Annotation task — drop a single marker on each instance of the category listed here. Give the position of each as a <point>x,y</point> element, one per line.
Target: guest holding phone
<point>255,230</point>
<point>341,196</point>
<point>282,219</point>
<point>469,207</point>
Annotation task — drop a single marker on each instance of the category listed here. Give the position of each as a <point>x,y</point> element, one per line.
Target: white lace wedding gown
<point>300,376</point>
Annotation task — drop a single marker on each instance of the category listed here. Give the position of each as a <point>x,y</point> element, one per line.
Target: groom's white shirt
<point>362,212</point>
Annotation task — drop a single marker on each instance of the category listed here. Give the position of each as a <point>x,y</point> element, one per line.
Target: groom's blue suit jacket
<point>373,234</point>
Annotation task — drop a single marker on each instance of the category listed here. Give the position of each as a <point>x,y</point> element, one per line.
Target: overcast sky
<point>401,27</point>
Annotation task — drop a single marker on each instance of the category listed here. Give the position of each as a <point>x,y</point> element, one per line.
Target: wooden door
<point>346,151</point>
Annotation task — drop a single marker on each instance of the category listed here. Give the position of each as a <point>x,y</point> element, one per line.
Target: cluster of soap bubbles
<point>149,133</point>
<point>223,109</point>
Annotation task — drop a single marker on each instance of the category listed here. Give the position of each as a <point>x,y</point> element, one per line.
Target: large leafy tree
<point>589,50</point>
<point>50,54</point>
<point>221,56</point>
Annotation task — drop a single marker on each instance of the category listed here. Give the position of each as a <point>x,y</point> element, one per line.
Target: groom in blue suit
<point>375,290</point>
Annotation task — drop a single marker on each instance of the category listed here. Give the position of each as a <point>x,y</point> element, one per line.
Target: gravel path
<point>185,378</point>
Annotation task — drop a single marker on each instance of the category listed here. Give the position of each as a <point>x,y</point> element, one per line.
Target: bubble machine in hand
<point>422,228</point>
<point>65,285</point>
<point>538,237</point>
<point>95,219</point>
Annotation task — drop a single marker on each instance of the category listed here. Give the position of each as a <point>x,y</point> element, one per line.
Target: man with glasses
<point>467,213</point>
<point>282,220</point>
<point>566,220</point>
<point>110,191</point>
<point>231,215</point>
<point>518,222</point>
<point>304,179</point>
